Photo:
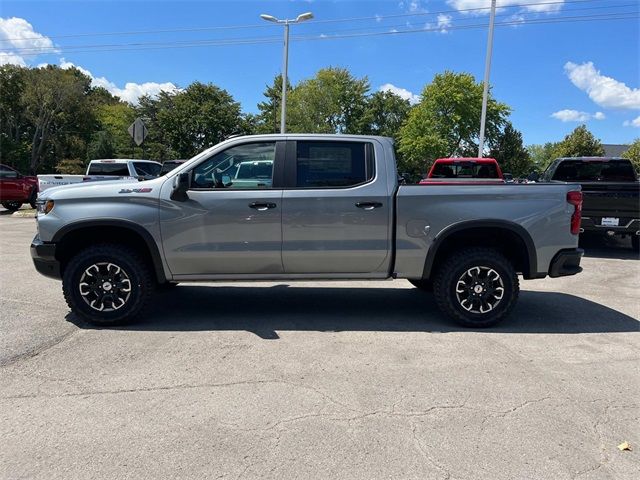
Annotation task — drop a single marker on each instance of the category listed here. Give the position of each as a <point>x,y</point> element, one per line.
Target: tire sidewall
<point>12,206</point>
<point>448,281</point>
<point>123,259</point>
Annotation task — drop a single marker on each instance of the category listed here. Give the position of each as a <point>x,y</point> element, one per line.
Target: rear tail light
<point>575,198</point>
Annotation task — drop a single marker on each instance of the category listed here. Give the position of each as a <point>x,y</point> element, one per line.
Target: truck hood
<point>105,188</point>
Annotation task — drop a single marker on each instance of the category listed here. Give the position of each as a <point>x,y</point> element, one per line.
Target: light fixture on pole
<point>285,59</point>
<point>487,68</point>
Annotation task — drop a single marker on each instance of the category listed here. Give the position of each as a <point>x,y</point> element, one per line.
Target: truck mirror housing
<point>181,187</point>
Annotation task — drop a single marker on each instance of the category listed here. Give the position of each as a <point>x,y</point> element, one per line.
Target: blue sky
<point>555,74</point>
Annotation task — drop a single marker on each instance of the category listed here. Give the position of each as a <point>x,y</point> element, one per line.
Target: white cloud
<point>632,123</point>
<point>401,92</point>
<point>604,91</point>
<point>576,116</point>
<point>12,59</point>
<point>528,5</point>
<point>131,91</point>
<point>19,40</point>
<point>444,22</point>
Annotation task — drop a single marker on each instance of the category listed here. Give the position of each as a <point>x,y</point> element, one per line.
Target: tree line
<point>53,119</point>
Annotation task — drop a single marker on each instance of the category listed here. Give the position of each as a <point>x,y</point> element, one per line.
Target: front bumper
<point>566,262</point>
<point>44,258</point>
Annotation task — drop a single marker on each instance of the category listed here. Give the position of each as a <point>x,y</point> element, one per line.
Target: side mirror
<point>181,187</point>
<point>534,176</point>
<point>226,181</point>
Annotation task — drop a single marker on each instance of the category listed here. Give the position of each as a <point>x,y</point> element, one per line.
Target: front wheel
<point>107,284</point>
<point>12,206</point>
<point>478,287</point>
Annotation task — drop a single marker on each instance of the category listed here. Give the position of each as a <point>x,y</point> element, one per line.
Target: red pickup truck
<point>457,171</point>
<point>16,189</point>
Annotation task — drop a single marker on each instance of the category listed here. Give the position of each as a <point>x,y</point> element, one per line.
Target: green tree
<point>101,146</point>
<point>114,120</point>
<point>384,114</point>
<point>542,155</point>
<point>333,101</point>
<point>580,143</point>
<point>447,121</point>
<point>197,118</point>
<point>15,129</point>
<point>268,120</point>
<point>510,152</point>
<point>633,154</point>
<point>55,103</point>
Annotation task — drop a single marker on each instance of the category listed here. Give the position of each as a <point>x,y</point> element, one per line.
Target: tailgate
<point>619,199</point>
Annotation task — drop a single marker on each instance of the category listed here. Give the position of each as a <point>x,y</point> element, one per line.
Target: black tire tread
<point>121,252</point>
<point>443,276</point>
<point>11,206</point>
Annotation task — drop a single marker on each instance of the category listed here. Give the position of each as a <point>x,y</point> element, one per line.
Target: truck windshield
<point>464,170</point>
<point>595,171</point>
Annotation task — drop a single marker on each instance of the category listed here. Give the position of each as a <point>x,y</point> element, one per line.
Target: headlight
<point>44,207</point>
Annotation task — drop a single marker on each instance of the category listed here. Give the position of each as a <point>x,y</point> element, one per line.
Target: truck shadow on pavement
<point>267,310</point>
<point>608,247</point>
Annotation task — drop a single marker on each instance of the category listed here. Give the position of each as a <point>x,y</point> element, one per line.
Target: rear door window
<point>333,164</point>
<point>145,169</point>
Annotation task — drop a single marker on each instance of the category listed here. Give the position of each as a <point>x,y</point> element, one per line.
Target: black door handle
<point>368,205</point>
<point>262,206</point>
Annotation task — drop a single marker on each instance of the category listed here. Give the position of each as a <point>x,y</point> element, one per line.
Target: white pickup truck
<point>107,169</point>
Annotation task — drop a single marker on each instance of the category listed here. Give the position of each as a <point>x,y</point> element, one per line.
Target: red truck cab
<point>461,171</point>
<point>16,189</point>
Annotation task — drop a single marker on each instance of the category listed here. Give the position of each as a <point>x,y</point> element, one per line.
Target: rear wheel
<point>12,206</point>
<point>32,198</point>
<point>107,284</point>
<point>478,287</point>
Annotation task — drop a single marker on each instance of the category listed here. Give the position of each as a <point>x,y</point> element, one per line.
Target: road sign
<point>138,131</point>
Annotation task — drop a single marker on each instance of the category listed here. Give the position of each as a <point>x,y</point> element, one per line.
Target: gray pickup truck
<point>317,207</point>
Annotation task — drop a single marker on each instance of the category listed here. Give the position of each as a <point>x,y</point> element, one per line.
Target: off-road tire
<point>33,197</point>
<point>424,285</point>
<point>12,206</point>
<point>134,267</point>
<point>452,271</point>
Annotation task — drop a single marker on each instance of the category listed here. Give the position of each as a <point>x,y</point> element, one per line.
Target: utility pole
<point>487,69</point>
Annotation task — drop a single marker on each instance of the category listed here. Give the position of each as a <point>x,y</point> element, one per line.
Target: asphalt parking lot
<point>332,380</point>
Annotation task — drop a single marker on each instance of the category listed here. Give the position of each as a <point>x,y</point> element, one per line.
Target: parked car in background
<point>169,165</point>
<point>611,193</point>
<point>483,171</point>
<point>105,170</point>
<point>16,189</point>
<point>311,207</point>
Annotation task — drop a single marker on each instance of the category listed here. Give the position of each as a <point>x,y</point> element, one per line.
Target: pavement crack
<point>5,362</point>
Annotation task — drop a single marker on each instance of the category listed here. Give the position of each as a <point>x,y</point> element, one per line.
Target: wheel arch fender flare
<point>502,225</point>
<point>143,233</point>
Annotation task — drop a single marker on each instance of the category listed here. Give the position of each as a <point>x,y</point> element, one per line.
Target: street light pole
<point>285,59</point>
<point>285,65</point>
<point>487,69</point>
